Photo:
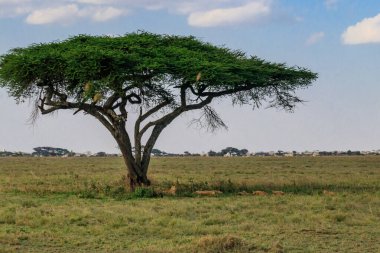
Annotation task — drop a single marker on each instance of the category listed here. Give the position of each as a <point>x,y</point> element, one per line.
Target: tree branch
<point>201,93</point>
<point>171,116</point>
<point>122,109</point>
<point>96,111</point>
<point>111,100</point>
<point>183,96</point>
<point>138,138</point>
<point>133,98</point>
<point>154,110</point>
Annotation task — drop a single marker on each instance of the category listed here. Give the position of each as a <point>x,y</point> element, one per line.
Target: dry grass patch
<point>228,243</point>
<point>81,205</point>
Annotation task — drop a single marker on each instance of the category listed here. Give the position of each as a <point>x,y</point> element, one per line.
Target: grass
<point>80,205</point>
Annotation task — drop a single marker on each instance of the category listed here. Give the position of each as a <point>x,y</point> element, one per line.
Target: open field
<point>80,205</point>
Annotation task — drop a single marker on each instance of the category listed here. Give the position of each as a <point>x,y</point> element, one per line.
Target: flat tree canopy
<point>162,76</point>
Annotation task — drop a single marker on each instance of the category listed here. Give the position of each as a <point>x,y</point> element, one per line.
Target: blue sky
<point>339,39</point>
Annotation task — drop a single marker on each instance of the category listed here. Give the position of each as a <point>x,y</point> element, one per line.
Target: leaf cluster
<point>155,63</point>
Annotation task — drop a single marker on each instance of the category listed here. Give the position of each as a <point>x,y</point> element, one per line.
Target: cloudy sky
<point>339,39</point>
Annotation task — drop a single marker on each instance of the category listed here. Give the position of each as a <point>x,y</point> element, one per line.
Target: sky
<point>338,39</point>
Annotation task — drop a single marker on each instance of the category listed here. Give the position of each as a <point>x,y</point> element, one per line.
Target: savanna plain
<point>330,204</point>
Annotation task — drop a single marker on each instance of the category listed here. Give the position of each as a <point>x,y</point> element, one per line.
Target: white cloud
<point>33,9</point>
<point>315,38</point>
<point>217,17</point>
<point>366,31</point>
<point>13,8</point>
<point>61,14</point>
<point>105,14</point>
<point>188,7</point>
<point>67,14</point>
<point>198,12</point>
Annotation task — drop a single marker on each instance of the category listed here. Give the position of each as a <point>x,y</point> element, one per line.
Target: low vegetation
<point>329,204</point>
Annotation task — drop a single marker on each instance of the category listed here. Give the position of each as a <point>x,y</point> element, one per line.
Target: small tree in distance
<point>158,76</point>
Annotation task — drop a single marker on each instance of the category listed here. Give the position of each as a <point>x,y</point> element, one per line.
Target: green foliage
<point>144,192</point>
<point>164,62</point>
<point>117,191</point>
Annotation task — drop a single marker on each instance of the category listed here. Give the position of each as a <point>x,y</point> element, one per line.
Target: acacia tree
<point>158,76</point>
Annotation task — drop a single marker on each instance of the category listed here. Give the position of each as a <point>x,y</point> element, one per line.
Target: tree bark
<point>136,175</point>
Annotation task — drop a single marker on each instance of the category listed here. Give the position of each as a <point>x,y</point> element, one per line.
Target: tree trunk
<point>136,178</point>
<point>137,165</point>
<point>137,175</point>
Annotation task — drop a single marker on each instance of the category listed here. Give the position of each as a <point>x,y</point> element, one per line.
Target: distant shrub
<point>90,191</point>
<point>87,194</point>
<point>143,192</point>
<point>117,191</point>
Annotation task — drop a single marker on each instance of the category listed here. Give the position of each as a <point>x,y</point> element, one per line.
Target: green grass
<point>80,205</point>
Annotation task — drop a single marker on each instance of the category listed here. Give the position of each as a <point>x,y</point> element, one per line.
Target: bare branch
<point>35,111</point>
<point>183,96</point>
<point>154,110</point>
<point>284,99</point>
<point>210,120</point>
<point>51,109</point>
<point>123,111</point>
<point>105,117</point>
<point>133,98</point>
<point>175,113</point>
<point>111,100</point>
